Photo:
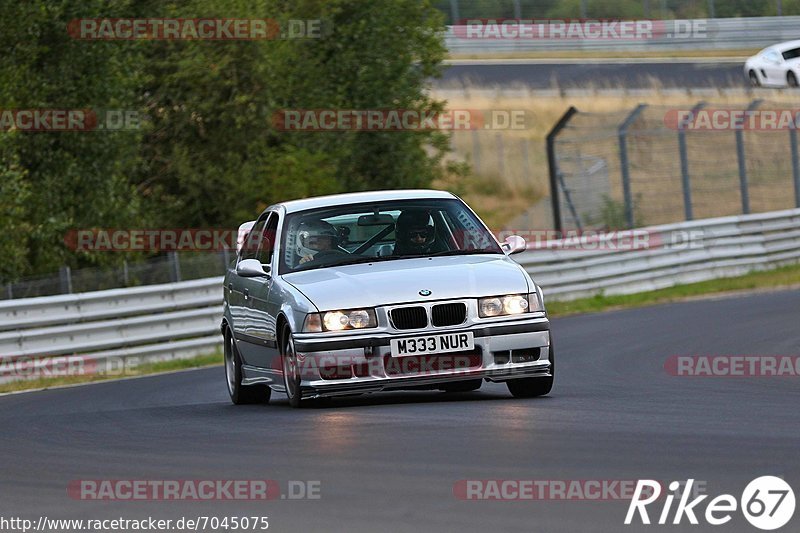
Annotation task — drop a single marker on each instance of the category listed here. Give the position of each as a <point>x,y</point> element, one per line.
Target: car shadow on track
<point>406,398</point>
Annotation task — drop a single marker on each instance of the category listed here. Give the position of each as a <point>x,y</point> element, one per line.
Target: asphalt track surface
<point>389,462</point>
<point>597,74</point>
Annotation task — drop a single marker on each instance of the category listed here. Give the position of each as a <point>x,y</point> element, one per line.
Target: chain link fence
<point>172,267</point>
<point>657,165</point>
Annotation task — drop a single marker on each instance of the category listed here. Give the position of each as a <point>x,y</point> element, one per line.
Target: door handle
<point>246,294</point>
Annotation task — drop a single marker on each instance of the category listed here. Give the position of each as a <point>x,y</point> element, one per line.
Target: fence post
<point>125,276</point>
<point>625,164</point>
<point>687,184</point>
<point>176,266</point>
<point>526,164</point>
<point>553,167</point>
<point>740,155</point>
<point>226,259</point>
<point>517,9</point>
<point>9,291</point>
<point>454,12</point>
<point>501,168</point>
<point>795,164</point>
<point>476,150</point>
<point>65,278</point>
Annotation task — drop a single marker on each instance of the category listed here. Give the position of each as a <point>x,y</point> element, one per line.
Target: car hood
<point>401,280</point>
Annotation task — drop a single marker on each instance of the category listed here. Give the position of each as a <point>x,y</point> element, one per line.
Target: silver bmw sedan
<point>376,291</point>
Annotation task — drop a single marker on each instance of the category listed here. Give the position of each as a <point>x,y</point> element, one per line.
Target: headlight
<point>513,304</point>
<point>340,320</point>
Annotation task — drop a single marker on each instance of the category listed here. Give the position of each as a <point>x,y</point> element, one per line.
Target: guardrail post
<point>65,279</point>
<point>743,185</point>
<point>687,185</point>
<point>625,164</point>
<point>553,167</point>
<point>9,291</point>
<point>176,266</point>
<point>795,164</point>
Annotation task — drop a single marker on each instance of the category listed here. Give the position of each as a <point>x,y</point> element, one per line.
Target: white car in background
<point>776,66</point>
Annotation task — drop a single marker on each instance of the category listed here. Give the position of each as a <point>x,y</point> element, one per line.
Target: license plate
<point>433,344</point>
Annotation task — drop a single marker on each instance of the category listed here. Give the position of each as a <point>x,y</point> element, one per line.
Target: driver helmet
<point>312,230</point>
<point>414,232</point>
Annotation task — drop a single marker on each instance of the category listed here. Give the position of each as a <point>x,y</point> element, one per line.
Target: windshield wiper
<point>467,252</point>
<point>362,260</point>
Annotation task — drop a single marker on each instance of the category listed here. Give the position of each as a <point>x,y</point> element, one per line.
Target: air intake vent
<point>409,317</point>
<point>448,314</point>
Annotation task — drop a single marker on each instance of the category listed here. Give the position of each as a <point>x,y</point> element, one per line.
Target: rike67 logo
<point>767,503</point>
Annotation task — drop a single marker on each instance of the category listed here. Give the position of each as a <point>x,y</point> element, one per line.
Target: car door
<point>261,328</point>
<point>239,290</point>
<point>774,68</point>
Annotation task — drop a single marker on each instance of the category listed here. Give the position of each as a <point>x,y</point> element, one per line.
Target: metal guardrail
<point>718,248</point>
<point>718,34</point>
<point>178,320</point>
<point>151,323</point>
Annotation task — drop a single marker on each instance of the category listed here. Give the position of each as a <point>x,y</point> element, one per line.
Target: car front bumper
<point>344,365</point>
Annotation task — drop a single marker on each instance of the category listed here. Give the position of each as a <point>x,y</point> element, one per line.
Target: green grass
<point>143,369</point>
<point>788,276</point>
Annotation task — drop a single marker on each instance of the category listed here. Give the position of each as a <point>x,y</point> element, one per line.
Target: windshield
<point>388,231</point>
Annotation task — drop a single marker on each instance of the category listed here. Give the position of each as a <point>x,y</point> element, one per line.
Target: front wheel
<point>533,387</point>
<point>240,394</point>
<point>291,372</point>
<point>754,79</point>
<point>791,79</point>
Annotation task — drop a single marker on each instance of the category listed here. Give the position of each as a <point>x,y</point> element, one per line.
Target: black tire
<point>791,79</point>
<point>240,394</point>
<point>291,377</point>
<point>754,79</point>
<point>538,386</point>
<point>462,386</point>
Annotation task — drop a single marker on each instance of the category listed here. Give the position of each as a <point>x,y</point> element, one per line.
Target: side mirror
<point>244,231</point>
<point>251,268</point>
<point>514,244</point>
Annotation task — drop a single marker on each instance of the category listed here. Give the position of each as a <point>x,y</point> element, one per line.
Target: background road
<point>393,458</point>
<point>597,73</point>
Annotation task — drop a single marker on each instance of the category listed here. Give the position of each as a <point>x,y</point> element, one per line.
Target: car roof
<point>363,197</point>
<point>788,45</point>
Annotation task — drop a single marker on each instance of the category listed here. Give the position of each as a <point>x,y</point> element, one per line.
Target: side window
<point>253,239</point>
<point>772,56</point>
<point>267,245</point>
